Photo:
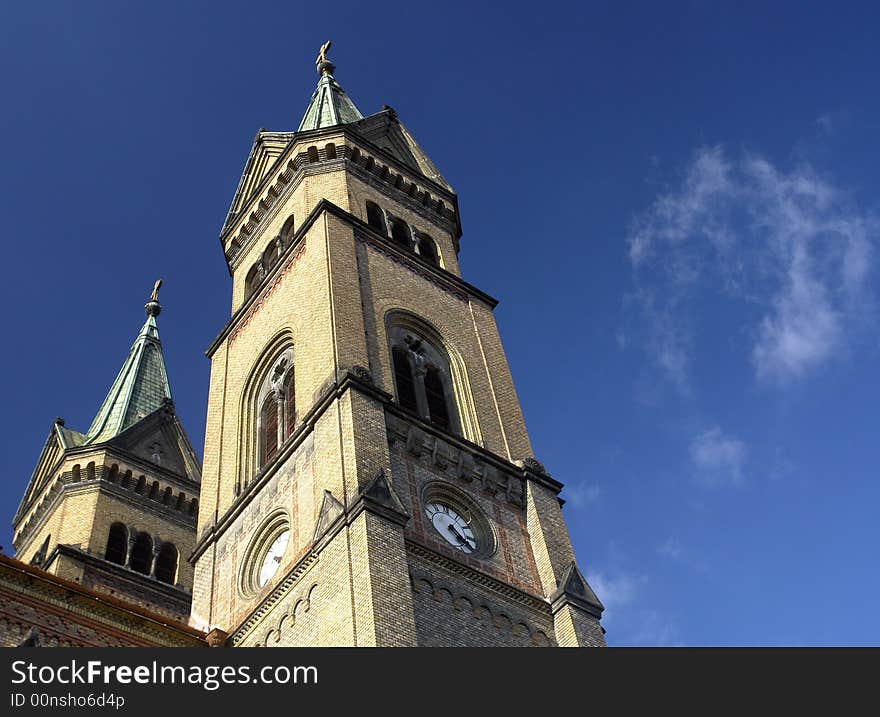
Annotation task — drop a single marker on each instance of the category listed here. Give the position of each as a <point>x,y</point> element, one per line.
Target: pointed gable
<point>160,439</point>
<point>266,149</point>
<point>385,130</point>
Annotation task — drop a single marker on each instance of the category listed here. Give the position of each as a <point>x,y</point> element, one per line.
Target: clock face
<point>272,561</point>
<point>454,528</point>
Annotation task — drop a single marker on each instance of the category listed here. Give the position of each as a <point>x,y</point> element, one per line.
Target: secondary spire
<point>142,384</point>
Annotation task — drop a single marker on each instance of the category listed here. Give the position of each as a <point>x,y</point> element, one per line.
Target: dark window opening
<point>287,231</point>
<point>436,397</point>
<point>166,564</point>
<point>117,544</point>
<point>330,150</point>
<point>142,553</point>
<point>400,233</point>
<point>376,217</point>
<point>40,556</point>
<point>289,404</point>
<point>403,376</point>
<point>312,153</point>
<point>253,279</point>
<point>428,250</point>
<point>269,429</point>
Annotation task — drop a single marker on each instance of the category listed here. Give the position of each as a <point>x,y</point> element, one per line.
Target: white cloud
<point>787,242</point>
<point>670,548</point>
<point>580,495</point>
<point>718,459</point>
<point>616,591</point>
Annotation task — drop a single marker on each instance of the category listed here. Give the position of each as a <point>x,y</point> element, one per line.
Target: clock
<point>453,527</point>
<point>272,560</point>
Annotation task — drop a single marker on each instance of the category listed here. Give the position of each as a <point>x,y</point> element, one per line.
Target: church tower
<point>114,509</point>
<point>368,478</point>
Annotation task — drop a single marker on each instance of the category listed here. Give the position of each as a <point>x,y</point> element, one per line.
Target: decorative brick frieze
<point>455,457</point>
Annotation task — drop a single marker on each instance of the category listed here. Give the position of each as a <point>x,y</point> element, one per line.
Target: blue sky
<point>675,202</point>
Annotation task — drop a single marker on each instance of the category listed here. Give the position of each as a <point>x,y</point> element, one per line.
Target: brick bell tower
<point>368,478</point>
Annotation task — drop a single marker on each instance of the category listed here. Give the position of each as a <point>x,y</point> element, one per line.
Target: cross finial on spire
<point>153,306</point>
<point>322,64</point>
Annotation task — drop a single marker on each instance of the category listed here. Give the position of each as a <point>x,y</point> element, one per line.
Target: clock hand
<point>461,538</point>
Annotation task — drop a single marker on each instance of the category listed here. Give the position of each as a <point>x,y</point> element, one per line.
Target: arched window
<point>41,555</point>
<point>435,395</point>
<point>268,428</point>
<point>400,233</point>
<point>142,554</point>
<point>376,218</point>
<point>117,544</point>
<point>330,150</point>
<point>76,476</point>
<point>287,231</point>
<point>272,254</point>
<point>166,564</point>
<point>289,391</point>
<point>428,249</point>
<point>271,413</point>
<point>253,279</point>
<point>423,378</point>
<point>403,377</point>
<point>312,153</point>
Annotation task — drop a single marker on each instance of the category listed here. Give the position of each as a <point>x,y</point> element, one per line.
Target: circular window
<point>458,521</point>
<point>266,552</point>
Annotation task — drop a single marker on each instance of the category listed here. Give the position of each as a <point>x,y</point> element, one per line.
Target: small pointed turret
<point>142,384</point>
<point>329,105</point>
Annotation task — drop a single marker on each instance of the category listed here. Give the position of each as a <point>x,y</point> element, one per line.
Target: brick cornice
<point>43,589</point>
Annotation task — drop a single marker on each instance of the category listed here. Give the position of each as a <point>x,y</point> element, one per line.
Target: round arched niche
<point>270,541</point>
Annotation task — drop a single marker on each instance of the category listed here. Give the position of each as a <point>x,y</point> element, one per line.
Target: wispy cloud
<point>670,548</point>
<point>787,242</point>
<point>580,495</point>
<point>718,459</point>
<point>616,590</point>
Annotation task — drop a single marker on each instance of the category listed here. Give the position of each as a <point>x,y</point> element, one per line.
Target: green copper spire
<point>141,386</point>
<point>329,105</point>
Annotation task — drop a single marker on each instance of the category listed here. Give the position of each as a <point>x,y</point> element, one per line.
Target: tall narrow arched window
<point>142,554</point>
<point>400,233</point>
<point>166,564</point>
<point>253,279</point>
<point>312,153</point>
<point>428,249</point>
<point>435,396</point>
<point>268,429</point>
<point>117,544</point>
<point>376,217</point>
<point>330,150</point>
<point>289,404</point>
<point>272,254</point>
<point>403,378</point>
<point>423,376</point>
<point>287,231</point>
<point>273,410</point>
